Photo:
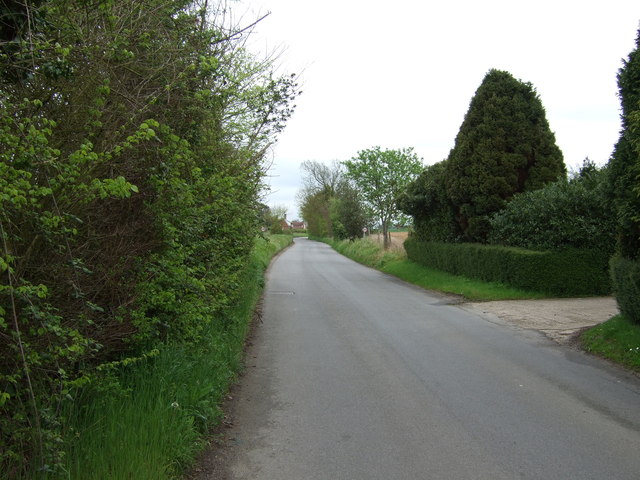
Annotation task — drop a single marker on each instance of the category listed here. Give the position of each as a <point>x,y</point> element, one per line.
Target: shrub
<point>570,272</point>
<point>625,278</point>
<point>576,214</point>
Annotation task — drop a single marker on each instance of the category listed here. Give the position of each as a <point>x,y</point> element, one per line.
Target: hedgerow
<point>569,272</point>
<point>132,146</point>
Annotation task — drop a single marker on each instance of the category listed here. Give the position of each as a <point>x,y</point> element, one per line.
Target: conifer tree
<point>625,162</point>
<point>625,185</point>
<point>504,147</point>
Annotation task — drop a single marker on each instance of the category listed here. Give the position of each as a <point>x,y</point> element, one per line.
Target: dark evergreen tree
<point>625,162</point>
<point>426,200</point>
<point>625,188</point>
<point>504,147</point>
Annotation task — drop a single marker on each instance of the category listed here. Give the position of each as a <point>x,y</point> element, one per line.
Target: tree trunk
<point>386,238</point>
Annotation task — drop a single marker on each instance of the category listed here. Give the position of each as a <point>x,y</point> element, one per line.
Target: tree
<point>625,162</point>
<point>347,212</point>
<point>381,176</point>
<point>274,218</point>
<point>319,188</point>
<point>318,176</point>
<point>625,190</point>
<point>426,200</point>
<point>316,211</point>
<point>330,205</point>
<point>504,146</point>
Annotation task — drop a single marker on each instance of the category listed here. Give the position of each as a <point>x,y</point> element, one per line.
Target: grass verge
<point>153,420</point>
<point>617,339</point>
<point>395,262</point>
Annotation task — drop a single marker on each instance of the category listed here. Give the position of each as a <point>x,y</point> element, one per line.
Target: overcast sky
<point>401,73</point>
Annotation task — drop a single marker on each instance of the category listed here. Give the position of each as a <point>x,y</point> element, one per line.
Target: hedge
<point>625,278</point>
<point>570,272</point>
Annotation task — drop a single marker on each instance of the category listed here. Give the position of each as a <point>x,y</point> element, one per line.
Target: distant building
<point>298,225</point>
<point>285,225</point>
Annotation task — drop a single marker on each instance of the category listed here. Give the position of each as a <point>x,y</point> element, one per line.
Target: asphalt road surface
<point>357,375</point>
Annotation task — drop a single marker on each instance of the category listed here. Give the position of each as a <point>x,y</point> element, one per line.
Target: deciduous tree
<point>381,176</point>
<point>348,213</point>
<point>330,205</point>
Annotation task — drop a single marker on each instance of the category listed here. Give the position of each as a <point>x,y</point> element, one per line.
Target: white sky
<point>401,73</point>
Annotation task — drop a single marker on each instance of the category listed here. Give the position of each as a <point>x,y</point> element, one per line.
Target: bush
<point>625,278</point>
<point>574,214</point>
<point>570,272</point>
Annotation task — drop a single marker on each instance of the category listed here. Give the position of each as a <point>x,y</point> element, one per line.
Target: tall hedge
<point>132,144</point>
<point>625,187</point>
<point>504,146</point>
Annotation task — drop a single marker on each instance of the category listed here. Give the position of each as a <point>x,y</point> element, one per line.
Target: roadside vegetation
<point>154,420</point>
<point>617,339</point>
<point>134,140</point>
<point>396,263</point>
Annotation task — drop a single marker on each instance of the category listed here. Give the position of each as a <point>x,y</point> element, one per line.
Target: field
<point>397,239</point>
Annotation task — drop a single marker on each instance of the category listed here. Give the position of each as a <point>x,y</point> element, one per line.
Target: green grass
<point>445,282</point>
<point>154,421</point>
<point>617,339</point>
<point>395,262</point>
<point>367,252</point>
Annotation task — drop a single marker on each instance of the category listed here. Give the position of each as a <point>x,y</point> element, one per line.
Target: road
<point>356,375</point>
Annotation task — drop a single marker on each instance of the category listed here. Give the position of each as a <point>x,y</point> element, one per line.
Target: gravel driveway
<point>559,319</point>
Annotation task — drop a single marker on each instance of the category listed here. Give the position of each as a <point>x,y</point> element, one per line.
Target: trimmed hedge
<point>625,278</point>
<point>569,272</point>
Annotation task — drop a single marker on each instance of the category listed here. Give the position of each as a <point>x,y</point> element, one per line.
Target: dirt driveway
<point>558,319</point>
